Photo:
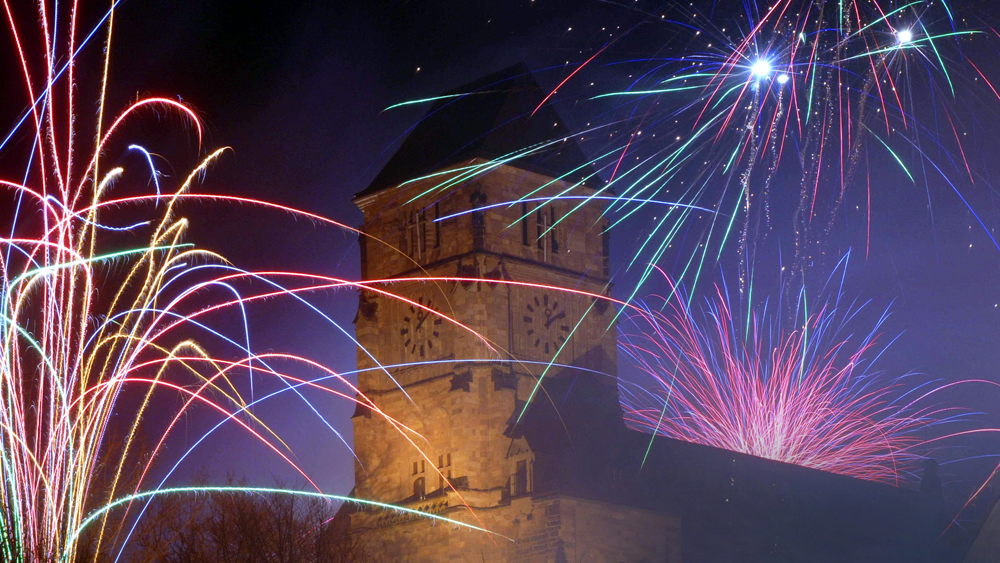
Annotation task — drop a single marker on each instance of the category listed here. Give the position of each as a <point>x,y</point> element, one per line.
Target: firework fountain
<point>91,331</point>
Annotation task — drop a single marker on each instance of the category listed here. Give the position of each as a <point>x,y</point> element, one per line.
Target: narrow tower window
<point>546,239</point>
<point>541,224</point>
<point>441,479</point>
<point>519,481</point>
<point>524,223</point>
<point>444,463</point>
<point>417,234</point>
<point>437,226</point>
<point>552,233</point>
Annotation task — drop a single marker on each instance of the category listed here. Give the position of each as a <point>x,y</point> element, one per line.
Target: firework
<point>84,322</point>
<point>806,395</point>
<point>748,108</point>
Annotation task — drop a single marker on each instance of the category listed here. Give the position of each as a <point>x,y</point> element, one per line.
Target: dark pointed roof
<point>493,120</point>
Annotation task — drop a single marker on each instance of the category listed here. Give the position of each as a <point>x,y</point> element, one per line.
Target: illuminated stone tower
<point>461,393</point>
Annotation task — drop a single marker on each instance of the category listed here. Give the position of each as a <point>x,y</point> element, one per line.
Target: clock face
<point>421,330</point>
<point>546,323</point>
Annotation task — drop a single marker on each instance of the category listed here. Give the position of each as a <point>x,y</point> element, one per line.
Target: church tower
<point>476,228</point>
<point>455,361</point>
<point>439,378</point>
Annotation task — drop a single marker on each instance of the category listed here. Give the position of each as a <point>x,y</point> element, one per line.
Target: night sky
<point>297,90</point>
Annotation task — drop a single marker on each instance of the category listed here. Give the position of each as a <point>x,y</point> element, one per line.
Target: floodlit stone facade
<point>452,348</point>
<point>453,362</point>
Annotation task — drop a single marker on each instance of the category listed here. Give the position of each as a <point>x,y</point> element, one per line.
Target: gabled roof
<point>733,507</point>
<point>493,120</point>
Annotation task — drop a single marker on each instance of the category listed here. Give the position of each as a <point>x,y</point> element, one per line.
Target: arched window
<point>419,491</point>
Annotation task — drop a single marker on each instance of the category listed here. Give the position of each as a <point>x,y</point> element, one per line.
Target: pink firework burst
<point>805,396</point>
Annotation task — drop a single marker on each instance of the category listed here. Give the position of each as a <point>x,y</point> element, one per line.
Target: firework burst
<point>746,110</point>
<point>807,395</point>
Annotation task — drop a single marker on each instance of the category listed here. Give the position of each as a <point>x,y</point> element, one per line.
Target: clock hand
<point>550,320</point>
<point>416,328</point>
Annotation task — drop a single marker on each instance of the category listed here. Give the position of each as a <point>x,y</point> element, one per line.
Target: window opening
<point>417,234</point>
<point>546,240</point>
<point>519,484</point>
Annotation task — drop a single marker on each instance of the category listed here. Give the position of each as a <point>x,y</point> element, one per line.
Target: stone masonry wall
<point>554,529</point>
<point>459,390</point>
<point>464,389</point>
